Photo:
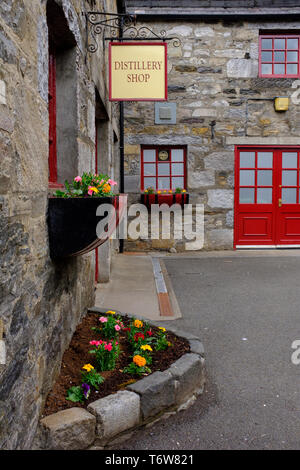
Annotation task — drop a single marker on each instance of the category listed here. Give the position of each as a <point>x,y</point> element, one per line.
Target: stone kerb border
<point>113,419</point>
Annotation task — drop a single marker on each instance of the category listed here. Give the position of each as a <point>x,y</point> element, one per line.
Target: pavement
<point>139,285</point>
<point>245,308</point>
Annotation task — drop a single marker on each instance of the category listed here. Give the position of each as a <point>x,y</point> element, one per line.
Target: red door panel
<point>267,196</point>
<point>288,208</point>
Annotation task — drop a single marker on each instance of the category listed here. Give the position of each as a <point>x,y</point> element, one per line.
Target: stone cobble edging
<point>113,419</point>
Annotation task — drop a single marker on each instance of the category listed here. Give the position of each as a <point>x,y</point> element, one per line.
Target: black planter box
<point>72,224</point>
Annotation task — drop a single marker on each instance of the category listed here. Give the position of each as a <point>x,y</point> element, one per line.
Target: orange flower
<point>138,323</point>
<point>139,361</point>
<point>106,188</point>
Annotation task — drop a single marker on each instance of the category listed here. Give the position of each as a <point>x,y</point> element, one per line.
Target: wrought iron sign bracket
<point>122,27</point>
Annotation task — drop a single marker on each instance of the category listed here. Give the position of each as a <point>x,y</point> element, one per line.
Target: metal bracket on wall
<point>122,27</point>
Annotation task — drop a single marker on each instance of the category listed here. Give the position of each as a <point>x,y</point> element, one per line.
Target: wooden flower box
<point>165,198</point>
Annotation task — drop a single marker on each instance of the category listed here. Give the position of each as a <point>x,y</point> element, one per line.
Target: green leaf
<point>75,394</point>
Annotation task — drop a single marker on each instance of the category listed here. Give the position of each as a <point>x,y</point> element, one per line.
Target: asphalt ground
<point>246,310</point>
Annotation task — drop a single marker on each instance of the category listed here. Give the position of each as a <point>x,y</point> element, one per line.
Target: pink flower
<point>117,327</point>
<point>108,347</point>
<point>112,182</point>
<point>96,343</point>
<point>90,192</point>
<point>103,319</point>
<point>78,179</point>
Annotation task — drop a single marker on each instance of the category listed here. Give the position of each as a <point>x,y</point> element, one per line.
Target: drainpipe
<point>121,108</point>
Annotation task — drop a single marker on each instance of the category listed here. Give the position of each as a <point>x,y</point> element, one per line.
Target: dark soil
<point>78,354</point>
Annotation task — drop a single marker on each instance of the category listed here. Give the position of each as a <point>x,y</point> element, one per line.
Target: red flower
<point>138,335</point>
<point>127,329</point>
<point>149,333</point>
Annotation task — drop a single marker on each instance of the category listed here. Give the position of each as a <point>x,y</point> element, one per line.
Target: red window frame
<point>157,148</point>
<point>52,118</point>
<point>273,37</point>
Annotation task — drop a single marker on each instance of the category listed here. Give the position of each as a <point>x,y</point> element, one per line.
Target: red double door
<point>267,196</point>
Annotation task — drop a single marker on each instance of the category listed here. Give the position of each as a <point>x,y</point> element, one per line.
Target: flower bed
<point>107,353</point>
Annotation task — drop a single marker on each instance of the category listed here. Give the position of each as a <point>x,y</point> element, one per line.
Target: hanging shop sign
<point>137,71</point>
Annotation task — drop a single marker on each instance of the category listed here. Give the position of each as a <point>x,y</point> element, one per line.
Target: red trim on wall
<point>96,171</point>
<point>52,118</point>
<point>164,147</point>
<point>275,216</point>
<point>138,44</point>
<point>273,37</point>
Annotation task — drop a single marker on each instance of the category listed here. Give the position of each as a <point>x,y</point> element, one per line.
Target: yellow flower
<point>111,312</point>
<point>146,347</point>
<point>161,328</point>
<point>158,192</point>
<point>184,190</point>
<point>139,361</point>
<point>146,190</point>
<point>138,323</point>
<point>94,189</point>
<point>170,191</point>
<point>88,367</point>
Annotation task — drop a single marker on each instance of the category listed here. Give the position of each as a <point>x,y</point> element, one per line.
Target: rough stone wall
<point>213,79</point>
<point>41,301</point>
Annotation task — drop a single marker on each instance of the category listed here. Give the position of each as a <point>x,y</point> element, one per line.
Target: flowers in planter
<point>110,326</point>
<point>151,190</point>
<point>91,376</point>
<point>88,185</point>
<point>143,343</point>
<point>106,354</point>
<point>161,341</point>
<point>137,366</point>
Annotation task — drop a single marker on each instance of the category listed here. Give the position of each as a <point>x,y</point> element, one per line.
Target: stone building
<point>235,58</point>
<point>41,300</point>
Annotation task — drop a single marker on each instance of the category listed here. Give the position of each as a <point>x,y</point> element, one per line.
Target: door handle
<point>279,202</point>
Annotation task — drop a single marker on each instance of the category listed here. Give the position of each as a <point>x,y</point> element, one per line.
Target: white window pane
<point>266,69</point>
<point>279,43</point>
<point>279,69</point>
<point>292,43</point>
<point>265,177</point>
<point>150,183</point>
<point>247,159</point>
<point>292,56</point>
<point>292,69</point>
<point>149,169</point>
<point>246,196</point>
<point>177,169</point>
<point>266,56</point>
<point>279,56</point>
<point>289,159</point>
<point>163,183</point>
<point>265,159</point>
<point>289,178</point>
<point>149,155</point>
<point>177,182</point>
<point>177,155</point>
<point>264,195</point>
<point>163,169</point>
<point>247,177</point>
<point>289,195</point>
<point>266,43</point>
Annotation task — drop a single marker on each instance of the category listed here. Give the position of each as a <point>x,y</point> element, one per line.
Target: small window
<point>163,168</point>
<point>279,56</point>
